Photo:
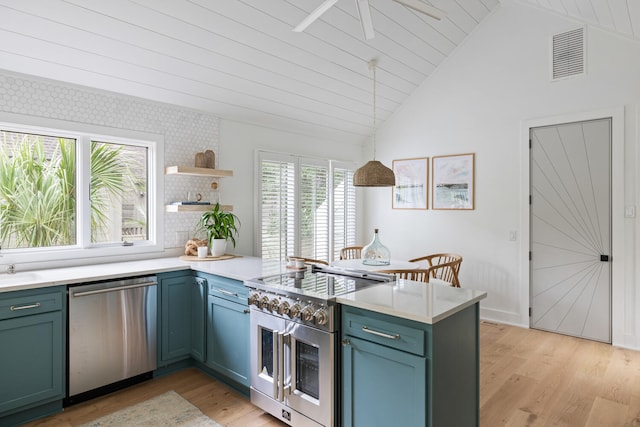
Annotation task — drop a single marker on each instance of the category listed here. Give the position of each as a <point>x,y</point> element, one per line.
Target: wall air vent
<point>568,54</point>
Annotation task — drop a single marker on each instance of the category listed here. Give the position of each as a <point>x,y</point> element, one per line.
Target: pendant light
<point>374,173</point>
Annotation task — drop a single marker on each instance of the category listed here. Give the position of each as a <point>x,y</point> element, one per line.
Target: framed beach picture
<point>452,181</point>
<point>410,191</point>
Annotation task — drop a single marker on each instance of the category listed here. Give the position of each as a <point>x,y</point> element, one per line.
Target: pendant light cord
<point>372,66</point>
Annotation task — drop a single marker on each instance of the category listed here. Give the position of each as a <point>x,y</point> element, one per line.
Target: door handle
<point>281,337</point>
<point>114,289</point>
<point>226,292</point>
<point>292,364</point>
<point>24,307</point>
<point>380,334</point>
<point>276,357</point>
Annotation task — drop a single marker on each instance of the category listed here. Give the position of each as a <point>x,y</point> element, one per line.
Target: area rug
<point>168,409</point>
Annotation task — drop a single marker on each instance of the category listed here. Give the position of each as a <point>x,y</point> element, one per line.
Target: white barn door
<point>571,229</point>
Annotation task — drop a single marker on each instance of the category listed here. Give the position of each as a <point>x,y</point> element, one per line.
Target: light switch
<point>629,211</point>
<point>513,236</point>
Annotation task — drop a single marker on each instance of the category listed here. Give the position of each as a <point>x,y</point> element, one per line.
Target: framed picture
<point>410,191</point>
<point>452,181</point>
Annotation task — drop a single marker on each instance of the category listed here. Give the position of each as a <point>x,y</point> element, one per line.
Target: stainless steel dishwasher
<point>112,335</point>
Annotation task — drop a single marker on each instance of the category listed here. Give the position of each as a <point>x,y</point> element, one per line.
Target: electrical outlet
<point>181,237</point>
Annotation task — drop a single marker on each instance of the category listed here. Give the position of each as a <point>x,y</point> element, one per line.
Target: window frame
<point>84,134</point>
<point>298,160</point>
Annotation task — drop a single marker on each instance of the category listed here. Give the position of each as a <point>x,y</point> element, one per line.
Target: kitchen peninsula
<point>419,341</point>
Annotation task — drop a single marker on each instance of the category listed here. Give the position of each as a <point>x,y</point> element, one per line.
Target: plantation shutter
<point>314,210</point>
<point>277,206</point>
<point>344,208</point>
<point>306,207</point>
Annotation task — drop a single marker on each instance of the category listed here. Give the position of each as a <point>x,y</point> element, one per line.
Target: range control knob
<point>295,310</point>
<point>321,317</point>
<point>283,308</point>
<point>254,299</point>
<point>273,304</point>
<point>307,314</point>
<point>264,301</point>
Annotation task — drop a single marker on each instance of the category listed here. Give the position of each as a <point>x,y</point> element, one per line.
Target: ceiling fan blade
<point>314,15</point>
<point>422,7</point>
<point>365,18</point>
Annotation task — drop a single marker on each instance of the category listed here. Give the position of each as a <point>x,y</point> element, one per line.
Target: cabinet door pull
<point>24,307</point>
<point>226,292</point>
<point>380,334</point>
<point>246,311</point>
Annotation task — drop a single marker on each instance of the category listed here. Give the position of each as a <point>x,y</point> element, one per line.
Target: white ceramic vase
<point>218,246</point>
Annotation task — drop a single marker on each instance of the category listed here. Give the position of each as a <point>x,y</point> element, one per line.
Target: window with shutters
<point>306,207</point>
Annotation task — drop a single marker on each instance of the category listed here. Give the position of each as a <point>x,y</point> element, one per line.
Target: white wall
<point>478,102</point>
<point>184,132</point>
<point>238,145</point>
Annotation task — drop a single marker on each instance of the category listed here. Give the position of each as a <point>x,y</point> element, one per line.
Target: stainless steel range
<point>293,342</point>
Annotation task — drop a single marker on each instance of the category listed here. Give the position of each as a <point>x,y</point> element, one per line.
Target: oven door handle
<point>281,373</point>
<point>292,363</point>
<point>276,357</point>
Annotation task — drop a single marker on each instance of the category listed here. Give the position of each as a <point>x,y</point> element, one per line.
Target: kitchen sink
<point>20,278</point>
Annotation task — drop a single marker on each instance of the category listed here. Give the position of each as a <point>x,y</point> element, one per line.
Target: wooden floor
<point>214,399</point>
<point>536,378</point>
<point>527,378</point>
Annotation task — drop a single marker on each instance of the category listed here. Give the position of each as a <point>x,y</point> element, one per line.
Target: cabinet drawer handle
<point>226,292</point>
<point>380,334</point>
<point>24,307</point>
<point>246,311</point>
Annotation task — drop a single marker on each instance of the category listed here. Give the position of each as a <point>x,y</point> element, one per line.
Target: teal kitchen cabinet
<point>182,317</point>
<point>32,353</point>
<point>228,329</point>
<point>402,372</point>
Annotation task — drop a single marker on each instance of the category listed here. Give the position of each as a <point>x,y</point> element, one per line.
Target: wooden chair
<point>417,274</point>
<point>351,252</point>
<point>439,272</point>
<point>450,270</point>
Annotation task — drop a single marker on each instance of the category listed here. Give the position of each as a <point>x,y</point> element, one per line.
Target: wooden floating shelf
<point>196,208</point>
<point>193,171</point>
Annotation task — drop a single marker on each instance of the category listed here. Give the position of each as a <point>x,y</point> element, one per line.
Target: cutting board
<point>208,258</point>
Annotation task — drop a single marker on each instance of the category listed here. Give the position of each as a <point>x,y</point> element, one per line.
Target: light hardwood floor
<point>213,398</point>
<point>527,378</point>
<point>536,378</point>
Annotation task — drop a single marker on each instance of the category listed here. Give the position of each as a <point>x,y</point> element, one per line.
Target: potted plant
<point>219,227</point>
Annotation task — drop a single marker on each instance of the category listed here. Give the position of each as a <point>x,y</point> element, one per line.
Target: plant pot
<point>218,246</point>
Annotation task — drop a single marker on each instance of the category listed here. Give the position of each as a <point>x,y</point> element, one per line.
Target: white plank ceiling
<point>240,59</point>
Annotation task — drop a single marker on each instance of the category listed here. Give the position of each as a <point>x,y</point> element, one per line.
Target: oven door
<point>265,345</point>
<point>309,375</point>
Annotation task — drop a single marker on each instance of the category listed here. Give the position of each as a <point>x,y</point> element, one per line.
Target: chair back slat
<point>417,274</point>
<point>351,252</point>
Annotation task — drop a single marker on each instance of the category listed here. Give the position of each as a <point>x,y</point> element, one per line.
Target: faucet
<point>11,268</point>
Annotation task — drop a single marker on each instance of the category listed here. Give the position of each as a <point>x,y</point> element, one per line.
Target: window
<point>65,190</point>
<point>306,207</point>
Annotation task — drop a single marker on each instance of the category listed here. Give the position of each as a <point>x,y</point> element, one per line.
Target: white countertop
<point>240,268</point>
<point>422,302</point>
<point>427,303</point>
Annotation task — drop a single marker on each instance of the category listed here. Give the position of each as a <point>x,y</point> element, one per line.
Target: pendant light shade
<point>374,173</point>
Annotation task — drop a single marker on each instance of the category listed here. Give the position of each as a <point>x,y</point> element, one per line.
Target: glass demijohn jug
<point>375,253</point>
